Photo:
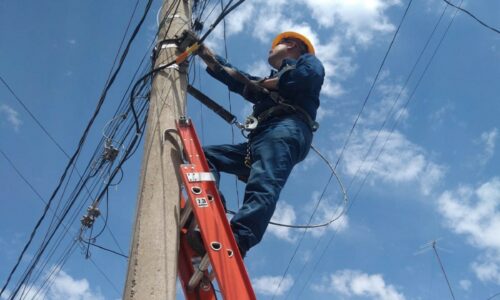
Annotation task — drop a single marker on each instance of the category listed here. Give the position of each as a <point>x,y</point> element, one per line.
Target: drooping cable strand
<point>131,128</point>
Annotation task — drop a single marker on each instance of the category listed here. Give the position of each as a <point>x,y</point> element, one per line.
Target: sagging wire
<point>472,16</point>
<point>64,215</point>
<point>180,58</point>
<point>73,157</point>
<point>27,273</point>
<point>345,199</point>
<point>354,198</point>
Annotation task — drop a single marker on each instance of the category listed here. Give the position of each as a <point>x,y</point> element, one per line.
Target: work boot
<point>242,252</point>
<point>196,242</point>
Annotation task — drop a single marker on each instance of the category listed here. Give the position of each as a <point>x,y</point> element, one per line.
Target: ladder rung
<point>198,274</point>
<point>186,212</point>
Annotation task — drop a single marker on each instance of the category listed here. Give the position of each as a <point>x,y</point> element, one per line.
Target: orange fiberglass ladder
<point>222,253</point>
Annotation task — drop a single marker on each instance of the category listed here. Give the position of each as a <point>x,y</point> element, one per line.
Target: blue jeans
<point>276,146</point>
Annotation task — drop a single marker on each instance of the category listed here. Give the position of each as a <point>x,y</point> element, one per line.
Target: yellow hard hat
<point>294,35</point>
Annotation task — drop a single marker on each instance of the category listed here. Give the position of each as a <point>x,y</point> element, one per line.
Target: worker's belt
<point>283,109</point>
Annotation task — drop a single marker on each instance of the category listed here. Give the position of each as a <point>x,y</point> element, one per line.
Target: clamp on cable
<point>93,213</point>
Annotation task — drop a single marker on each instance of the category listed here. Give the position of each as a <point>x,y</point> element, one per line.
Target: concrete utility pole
<point>152,268</point>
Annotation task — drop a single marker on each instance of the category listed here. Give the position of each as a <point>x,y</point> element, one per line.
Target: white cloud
<point>389,105</point>
<point>401,160</point>
<point>310,161</point>
<point>268,285</point>
<point>465,284</point>
<point>360,19</point>
<point>487,141</point>
<point>238,18</point>
<point>284,214</point>
<point>325,213</point>
<point>475,213</point>
<point>355,283</point>
<point>12,116</point>
<point>64,287</point>
<point>259,68</point>
<point>437,117</point>
<point>353,23</point>
<point>323,113</point>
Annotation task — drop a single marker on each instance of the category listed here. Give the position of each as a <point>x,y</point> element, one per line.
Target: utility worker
<point>285,105</point>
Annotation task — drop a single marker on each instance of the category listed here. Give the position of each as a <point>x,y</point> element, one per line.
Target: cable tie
<point>171,17</point>
<point>171,45</point>
<point>166,66</point>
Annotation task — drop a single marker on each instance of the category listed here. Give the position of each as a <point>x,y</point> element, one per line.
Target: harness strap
<point>280,101</point>
<point>287,109</point>
<point>212,105</point>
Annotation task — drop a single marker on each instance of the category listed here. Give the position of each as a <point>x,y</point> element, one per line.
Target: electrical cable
<point>83,183</point>
<point>493,296</point>
<point>226,55</point>
<point>442,269</point>
<point>111,232</point>
<point>131,146</point>
<point>396,100</point>
<point>353,199</point>
<point>22,176</point>
<point>373,83</point>
<point>349,136</point>
<point>18,99</point>
<point>80,144</point>
<point>107,249</point>
<point>473,16</point>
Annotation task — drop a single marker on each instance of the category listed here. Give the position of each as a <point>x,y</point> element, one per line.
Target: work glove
<point>253,91</point>
<point>208,57</point>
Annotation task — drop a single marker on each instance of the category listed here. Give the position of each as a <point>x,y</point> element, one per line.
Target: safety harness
<point>281,108</point>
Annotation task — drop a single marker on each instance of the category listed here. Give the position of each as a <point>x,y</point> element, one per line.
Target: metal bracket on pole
<point>171,17</point>
<point>200,176</point>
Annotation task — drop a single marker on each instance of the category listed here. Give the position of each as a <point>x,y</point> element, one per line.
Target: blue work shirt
<point>299,85</point>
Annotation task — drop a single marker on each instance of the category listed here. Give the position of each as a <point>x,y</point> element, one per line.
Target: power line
<point>129,152</point>
<point>473,16</point>
<point>82,140</point>
<point>383,146</point>
<point>493,296</point>
<point>373,83</point>
<point>107,249</point>
<point>396,100</point>
<point>32,116</point>
<point>442,269</point>
<point>347,141</point>
<point>32,188</point>
<point>67,252</point>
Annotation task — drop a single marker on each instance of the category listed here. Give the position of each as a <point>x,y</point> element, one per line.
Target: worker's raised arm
<point>305,77</point>
<point>238,81</point>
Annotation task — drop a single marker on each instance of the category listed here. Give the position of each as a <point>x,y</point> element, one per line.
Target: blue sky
<point>435,179</point>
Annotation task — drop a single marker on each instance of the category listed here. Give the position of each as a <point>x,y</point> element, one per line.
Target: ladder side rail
<point>225,258</point>
<point>186,269</point>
